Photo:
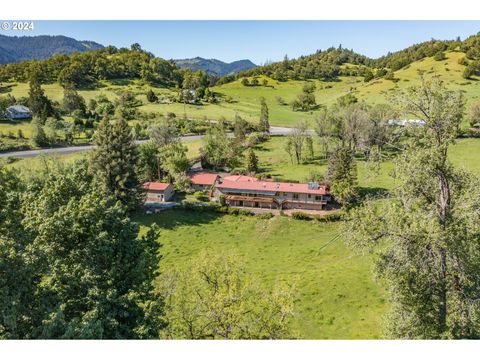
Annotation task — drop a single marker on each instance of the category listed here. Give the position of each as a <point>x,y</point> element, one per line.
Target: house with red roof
<point>158,192</point>
<point>202,181</point>
<point>246,191</point>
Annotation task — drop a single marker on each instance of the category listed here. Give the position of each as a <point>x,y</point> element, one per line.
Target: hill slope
<point>20,48</point>
<point>215,67</point>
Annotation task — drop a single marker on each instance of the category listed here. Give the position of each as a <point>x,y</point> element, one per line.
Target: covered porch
<point>251,201</point>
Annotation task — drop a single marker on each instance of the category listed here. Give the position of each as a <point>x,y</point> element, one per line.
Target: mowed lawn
<point>337,297</point>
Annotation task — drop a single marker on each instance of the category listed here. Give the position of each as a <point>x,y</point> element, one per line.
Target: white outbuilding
<point>18,112</point>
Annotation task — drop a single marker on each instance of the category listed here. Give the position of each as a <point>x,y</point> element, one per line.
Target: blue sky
<point>256,40</point>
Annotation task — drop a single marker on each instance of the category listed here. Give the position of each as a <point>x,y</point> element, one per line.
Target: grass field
<point>337,298</point>
<point>274,160</point>
<point>36,163</point>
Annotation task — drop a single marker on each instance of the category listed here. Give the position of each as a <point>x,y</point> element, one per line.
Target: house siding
<point>280,200</point>
<point>156,196</point>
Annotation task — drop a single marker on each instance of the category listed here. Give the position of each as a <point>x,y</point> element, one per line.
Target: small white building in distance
<point>15,112</point>
<point>406,122</point>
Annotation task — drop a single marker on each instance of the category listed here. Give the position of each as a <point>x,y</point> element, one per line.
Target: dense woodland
<point>86,69</point>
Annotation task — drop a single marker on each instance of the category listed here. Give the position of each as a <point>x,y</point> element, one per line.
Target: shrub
<point>266,216</point>
<point>201,196</point>
<point>439,56</point>
<point>245,212</point>
<point>10,160</point>
<point>329,217</point>
<point>236,211</point>
<point>233,211</point>
<point>222,201</point>
<point>300,215</point>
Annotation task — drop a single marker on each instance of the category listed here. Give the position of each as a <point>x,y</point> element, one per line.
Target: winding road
<point>274,130</point>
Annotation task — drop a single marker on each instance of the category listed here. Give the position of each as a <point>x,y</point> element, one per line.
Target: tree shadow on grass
<point>15,122</point>
<point>176,217</point>
<point>120,82</point>
<point>374,192</point>
<point>6,89</point>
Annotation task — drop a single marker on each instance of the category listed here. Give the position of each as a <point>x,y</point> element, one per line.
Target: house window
<point>284,194</point>
<point>295,196</point>
<point>318,198</point>
<point>309,196</point>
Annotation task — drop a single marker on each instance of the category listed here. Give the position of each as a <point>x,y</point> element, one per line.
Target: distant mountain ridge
<point>215,67</point>
<point>14,49</point>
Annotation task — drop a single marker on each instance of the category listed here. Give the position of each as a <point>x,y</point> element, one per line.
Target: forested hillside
<point>21,48</point>
<point>329,64</point>
<point>85,69</point>
<point>215,67</point>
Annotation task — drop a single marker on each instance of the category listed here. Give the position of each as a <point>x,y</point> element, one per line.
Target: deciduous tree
<point>424,236</point>
<point>213,297</point>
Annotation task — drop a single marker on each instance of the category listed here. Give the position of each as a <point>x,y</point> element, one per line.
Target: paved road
<point>274,130</point>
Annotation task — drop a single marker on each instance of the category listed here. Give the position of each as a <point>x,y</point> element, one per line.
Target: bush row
<point>300,215</point>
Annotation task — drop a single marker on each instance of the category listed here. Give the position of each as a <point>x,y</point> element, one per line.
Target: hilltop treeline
<point>110,63</point>
<point>87,68</point>
<point>329,64</point>
<point>324,65</point>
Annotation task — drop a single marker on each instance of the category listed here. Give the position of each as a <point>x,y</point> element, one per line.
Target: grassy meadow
<point>337,297</point>
<point>40,162</point>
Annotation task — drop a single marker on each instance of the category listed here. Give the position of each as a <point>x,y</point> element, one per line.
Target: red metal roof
<point>240,178</point>
<point>155,186</point>
<point>272,186</point>
<point>203,178</point>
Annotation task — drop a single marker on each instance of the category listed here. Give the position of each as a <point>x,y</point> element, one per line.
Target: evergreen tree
<point>114,161</point>
<point>264,125</point>
<point>73,101</point>
<point>151,97</point>
<point>240,127</point>
<point>18,302</point>
<point>63,228</point>
<point>38,137</point>
<point>251,161</point>
<point>342,175</point>
<point>39,104</point>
